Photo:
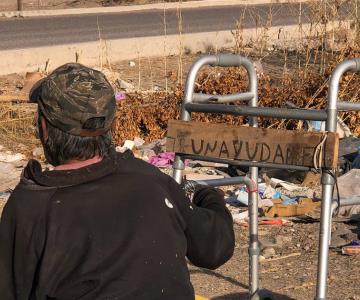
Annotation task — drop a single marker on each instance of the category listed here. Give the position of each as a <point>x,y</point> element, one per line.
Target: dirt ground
<point>291,273</point>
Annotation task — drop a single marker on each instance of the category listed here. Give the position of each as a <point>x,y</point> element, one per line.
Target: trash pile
<point>285,196</point>
<point>277,199</point>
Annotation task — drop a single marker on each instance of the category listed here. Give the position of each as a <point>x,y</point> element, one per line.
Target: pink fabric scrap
<point>119,96</point>
<point>162,160</point>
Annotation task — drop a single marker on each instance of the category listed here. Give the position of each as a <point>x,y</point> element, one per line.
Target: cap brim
<point>35,92</point>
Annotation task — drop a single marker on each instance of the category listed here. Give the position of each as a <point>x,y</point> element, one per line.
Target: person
<point>102,224</point>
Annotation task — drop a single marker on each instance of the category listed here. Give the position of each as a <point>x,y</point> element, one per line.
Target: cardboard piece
<point>279,209</point>
<point>251,144</point>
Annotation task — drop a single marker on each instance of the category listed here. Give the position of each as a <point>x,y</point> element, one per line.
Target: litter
<point>304,206</point>
<point>242,197</point>
<point>197,297</point>
<point>138,142</point>
<point>274,182</point>
<point>276,195</point>
<point>120,96</point>
<point>128,145</point>
<point>349,183</point>
<point>272,222</point>
<point>162,160</point>
<point>286,200</point>
<point>266,191</point>
<point>342,129</point>
<point>351,250</point>
<point>241,218</point>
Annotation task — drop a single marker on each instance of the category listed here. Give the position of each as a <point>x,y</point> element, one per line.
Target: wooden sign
<point>251,144</point>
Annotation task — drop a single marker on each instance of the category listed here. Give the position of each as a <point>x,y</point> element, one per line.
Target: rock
<point>157,88</point>
<point>9,157</point>
<point>307,248</point>
<point>268,252</point>
<point>124,85</point>
<point>144,154</point>
<point>19,163</point>
<point>337,241</point>
<point>341,232</point>
<point>9,176</point>
<point>138,142</point>
<point>282,239</point>
<point>38,152</point>
<point>120,149</point>
<point>342,237</point>
<point>261,258</point>
<point>30,79</point>
<point>267,243</point>
<point>347,183</point>
<point>158,146</point>
<point>312,180</point>
<point>312,236</point>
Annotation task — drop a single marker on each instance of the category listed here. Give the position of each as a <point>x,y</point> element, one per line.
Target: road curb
<point>157,6</point>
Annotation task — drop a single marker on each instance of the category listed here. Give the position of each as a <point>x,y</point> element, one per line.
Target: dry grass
<point>17,126</point>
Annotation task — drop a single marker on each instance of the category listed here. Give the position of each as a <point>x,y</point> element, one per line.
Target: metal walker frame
<point>198,102</point>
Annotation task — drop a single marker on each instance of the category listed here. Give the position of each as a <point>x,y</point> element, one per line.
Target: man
<point>102,225</point>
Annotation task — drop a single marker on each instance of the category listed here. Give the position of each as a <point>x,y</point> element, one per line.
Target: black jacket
<point>118,229</point>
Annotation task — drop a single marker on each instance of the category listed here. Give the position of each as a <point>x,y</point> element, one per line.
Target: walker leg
<point>324,237</point>
<point>254,249</point>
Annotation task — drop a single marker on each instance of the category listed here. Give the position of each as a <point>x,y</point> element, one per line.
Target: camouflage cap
<point>72,95</point>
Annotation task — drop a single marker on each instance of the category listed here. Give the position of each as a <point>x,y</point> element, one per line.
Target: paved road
<point>44,31</point>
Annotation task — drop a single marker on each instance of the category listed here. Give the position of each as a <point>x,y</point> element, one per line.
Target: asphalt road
<point>20,33</point>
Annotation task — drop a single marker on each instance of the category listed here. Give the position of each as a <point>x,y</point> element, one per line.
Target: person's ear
<point>44,128</point>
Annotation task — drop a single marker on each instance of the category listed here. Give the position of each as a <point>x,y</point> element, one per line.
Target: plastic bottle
<point>356,162</point>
